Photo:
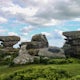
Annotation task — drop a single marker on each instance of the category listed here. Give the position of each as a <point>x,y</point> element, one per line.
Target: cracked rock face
<point>40,38</point>
<point>23,56</point>
<point>72,44</point>
<point>9,41</point>
<point>52,52</point>
<point>37,41</point>
<point>36,48</point>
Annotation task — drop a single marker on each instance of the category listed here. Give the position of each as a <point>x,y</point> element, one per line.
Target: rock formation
<point>29,50</point>
<point>9,41</point>
<point>38,41</point>
<point>72,44</point>
<point>41,39</point>
<point>23,56</point>
<point>35,49</point>
<point>52,52</point>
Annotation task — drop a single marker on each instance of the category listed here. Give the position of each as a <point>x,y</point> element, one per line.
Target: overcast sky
<point>25,18</point>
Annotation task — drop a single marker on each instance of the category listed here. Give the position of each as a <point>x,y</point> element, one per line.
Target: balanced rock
<point>38,41</point>
<point>52,52</point>
<point>42,39</point>
<point>9,41</point>
<point>29,50</point>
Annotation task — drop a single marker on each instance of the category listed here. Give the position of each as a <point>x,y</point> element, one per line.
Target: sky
<point>26,18</point>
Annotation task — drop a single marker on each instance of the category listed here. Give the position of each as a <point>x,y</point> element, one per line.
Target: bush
<point>44,73</point>
<point>16,78</point>
<point>36,60</point>
<point>63,61</point>
<point>7,57</point>
<point>44,60</point>
<point>57,61</point>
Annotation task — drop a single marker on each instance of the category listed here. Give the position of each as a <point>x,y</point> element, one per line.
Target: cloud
<point>26,30</point>
<point>37,13</point>
<point>3,31</point>
<point>55,37</point>
<point>58,34</point>
<point>50,12</point>
<point>41,13</point>
<point>3,20</point>
<point>78,29</point>
<point>12,34</point>
<point>47,34</point>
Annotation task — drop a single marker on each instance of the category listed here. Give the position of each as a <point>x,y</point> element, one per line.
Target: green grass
<point>59,69</point>
<point>71,68</point>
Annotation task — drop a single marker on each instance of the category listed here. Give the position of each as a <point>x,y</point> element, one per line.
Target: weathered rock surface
<point>72,43</point>
<point>53,52</point>
<point>26,56</point>
<point>9,41</point>
<point>38,41</point>
<point>42,39</point>
<point>35,49</point>
<point>23,56</point>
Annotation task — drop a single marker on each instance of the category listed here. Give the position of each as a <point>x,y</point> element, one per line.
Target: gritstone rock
<point>9,41</point>
<point>53,52</point>
<point>23,56</point>
<point>36,48</point>
<point>72,43</point>
<point>42,39</point>
<point>38,41</point>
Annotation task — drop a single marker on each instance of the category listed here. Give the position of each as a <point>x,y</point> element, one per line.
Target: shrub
<point>57,61</point>
<point>16,78</point>
<point>44,60</point>
<point>7,57</point>
<point>44,73</point>
<point>75,77</point>
<point>36,60</point>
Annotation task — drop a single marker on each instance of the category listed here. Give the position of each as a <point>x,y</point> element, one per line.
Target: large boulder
<point>23,56</point>
<point>9,41</point>
<point>52,52</point>
<point>72,43</point>
<point>38,41</point>
<point>40,38</point>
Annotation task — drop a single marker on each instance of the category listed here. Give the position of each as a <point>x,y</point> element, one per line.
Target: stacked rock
<point>35,49</point>
<point>9,41</point>
<point>38,41</point>
<point>73,43</point>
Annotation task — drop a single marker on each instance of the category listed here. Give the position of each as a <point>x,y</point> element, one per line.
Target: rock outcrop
<point>52,52</point>
<point>9,41</point>
<point>29,50</point>
<point>72,44</point>
<point>38,41</point>
<point>35,49</point>
<point>41,39</point>
<point>23,56</point>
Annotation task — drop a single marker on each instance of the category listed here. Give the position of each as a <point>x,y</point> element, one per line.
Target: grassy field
<point>71,68</point>
<point>59,69</point>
